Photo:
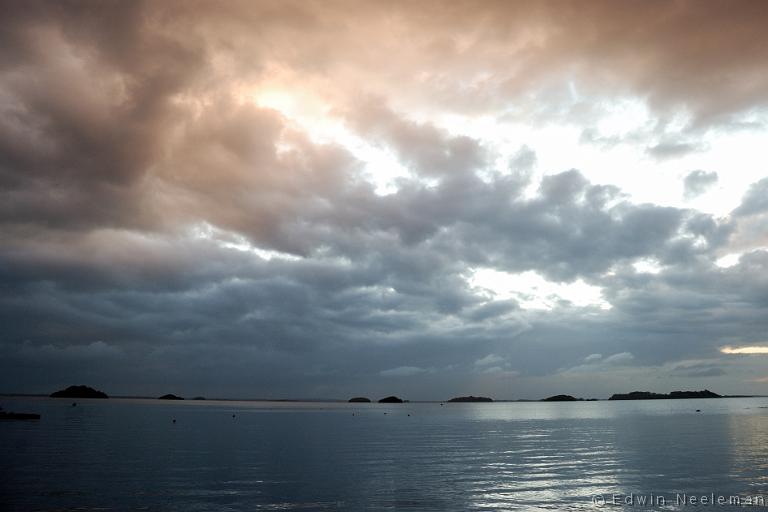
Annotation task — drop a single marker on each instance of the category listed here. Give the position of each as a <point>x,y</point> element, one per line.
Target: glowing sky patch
<point>729,260</point>
<point>748,350</point>
<point>532,291</point>
<point>237,242</point>
<point>315,118</point>
<point>647,266</point>
<point>616,152</point>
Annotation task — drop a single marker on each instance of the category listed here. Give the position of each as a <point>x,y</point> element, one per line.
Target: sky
<point>330,199</point>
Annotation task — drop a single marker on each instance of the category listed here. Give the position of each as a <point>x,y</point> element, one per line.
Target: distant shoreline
<point>335,400</point>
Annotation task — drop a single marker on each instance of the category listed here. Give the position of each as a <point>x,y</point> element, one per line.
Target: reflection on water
<point>128,454</point>
<point>749,465</point>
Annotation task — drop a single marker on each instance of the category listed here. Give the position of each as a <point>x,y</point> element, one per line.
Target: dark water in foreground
<point>128,455</point>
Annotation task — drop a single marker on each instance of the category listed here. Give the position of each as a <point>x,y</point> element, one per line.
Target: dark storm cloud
<point>568,231</point>
<point>161,230</point>
<point>85,114</point>
<point>175,296</point>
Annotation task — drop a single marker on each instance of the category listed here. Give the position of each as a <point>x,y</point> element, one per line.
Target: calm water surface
<point>121,454</point>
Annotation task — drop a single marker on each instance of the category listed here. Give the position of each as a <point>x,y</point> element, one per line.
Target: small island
<point>560,398</point>
<point>199,398</point>
<point>471,399</point>
<point>170,396</point>
<point>360,400</point>
<point>4,415</point>
<point>647,395</point>
<point>391,400</point>
<point>79,392</point>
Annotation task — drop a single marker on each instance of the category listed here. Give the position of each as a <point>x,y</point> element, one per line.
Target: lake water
<point>122,454</point>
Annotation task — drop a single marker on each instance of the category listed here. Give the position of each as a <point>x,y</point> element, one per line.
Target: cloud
<point>698,368</point>
<point>403,371</point>
<point>705,372</point>
<point>490,359</point>
<point>672,149</point>
<point>596,363</point>
<point>182,204</point>
<point>621,358</point>
<point>524,160</point>
<point>698,182</point>
<point>755,201</point>
<point>500,372</point>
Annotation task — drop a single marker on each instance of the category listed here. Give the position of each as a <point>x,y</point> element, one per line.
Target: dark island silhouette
<point>561,398</point>
<point>471,398</point>
<point>647,395</point>
<point>9,415</point>
<point>83,391</point>
<point>18,416</point>
<point>391,400</point>
<point>79,392</point>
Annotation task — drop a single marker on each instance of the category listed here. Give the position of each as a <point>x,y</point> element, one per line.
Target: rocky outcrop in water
<point>391,400</point>
<point>471,399</point>
<point>560,398</point>
<point>647,395</point>
<point>79,392</point>
<point>170,396</point>
<point>360,399</point>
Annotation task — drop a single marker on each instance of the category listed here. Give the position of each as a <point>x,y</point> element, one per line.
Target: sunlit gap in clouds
<point>647,266</point>
<point>231,240</point>
<point>618,149</point>
<point>748,350</point>
<point>732,259</point>
<point>314,117</point>
<point>532,291</point>
<point>729,260</point>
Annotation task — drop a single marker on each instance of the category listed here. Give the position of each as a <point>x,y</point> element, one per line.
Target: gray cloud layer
<point>161,234</point>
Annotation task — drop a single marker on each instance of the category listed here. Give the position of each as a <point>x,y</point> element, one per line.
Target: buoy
<point>698,410</point>
<point>174,420</point>
<point>74,404</point>
<point>233,415</point>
